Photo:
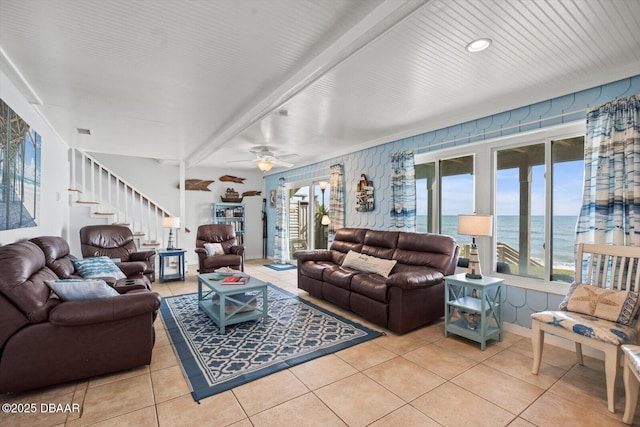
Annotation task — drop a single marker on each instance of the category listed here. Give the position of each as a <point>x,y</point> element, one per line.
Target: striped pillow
<point>101,266</point>
<point>81,289</point>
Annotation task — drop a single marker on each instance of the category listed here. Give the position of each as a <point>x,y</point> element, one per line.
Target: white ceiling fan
<point>266,158</point>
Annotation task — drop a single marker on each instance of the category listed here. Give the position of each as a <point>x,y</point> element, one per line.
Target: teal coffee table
<point>229,304</point>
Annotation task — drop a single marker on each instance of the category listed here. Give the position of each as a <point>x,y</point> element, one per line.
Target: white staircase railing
<point>114,198</point>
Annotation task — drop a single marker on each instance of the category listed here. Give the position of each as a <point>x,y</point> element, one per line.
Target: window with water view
<point>534,231</point>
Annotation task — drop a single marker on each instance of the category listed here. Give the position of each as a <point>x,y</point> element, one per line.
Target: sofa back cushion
<point>56,254</point>
<point>22,280</point>
<point>113,241</point>
<point>380,244</point>
<point>429,250</point>
<point>345,240</point>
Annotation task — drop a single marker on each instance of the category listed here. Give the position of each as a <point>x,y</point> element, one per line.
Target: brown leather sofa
<point>412,295</point>
<point>46,341</point>
<point>224,234</point>
<point>116,241</point>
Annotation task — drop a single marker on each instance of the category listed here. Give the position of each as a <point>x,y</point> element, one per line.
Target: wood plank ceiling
<point>205,81</point>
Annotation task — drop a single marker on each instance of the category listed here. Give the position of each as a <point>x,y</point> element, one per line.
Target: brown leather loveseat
<point>45,340</point>
<point>411,296</point>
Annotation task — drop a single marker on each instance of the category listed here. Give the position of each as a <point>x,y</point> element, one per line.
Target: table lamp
<point>475,225</point>
<point>170,222</point>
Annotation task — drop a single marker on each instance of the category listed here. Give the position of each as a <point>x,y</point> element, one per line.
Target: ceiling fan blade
<point>280,162</point>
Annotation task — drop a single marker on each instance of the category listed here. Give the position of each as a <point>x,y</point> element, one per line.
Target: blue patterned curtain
<point>610,210</point>
<point>281,244</point>
<point>403,191</point>
<point>336,200</point>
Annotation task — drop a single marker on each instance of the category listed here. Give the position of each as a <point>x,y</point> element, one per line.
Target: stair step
<point>74,190</point>
<point>103,213</point>
<point>139,234</point>
<point>126,224</point>
<point>151,244</point>
<point>82,202</point>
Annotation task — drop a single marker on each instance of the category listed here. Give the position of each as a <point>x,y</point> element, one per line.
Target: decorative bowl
<point>226,271</point>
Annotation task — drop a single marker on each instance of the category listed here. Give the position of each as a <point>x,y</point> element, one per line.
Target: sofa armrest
<point>313,255</point>
<point>101,310</point>
<point>142,256</point>
<point>237,250</point>
<point>415,279</point>
<point>132,268</point>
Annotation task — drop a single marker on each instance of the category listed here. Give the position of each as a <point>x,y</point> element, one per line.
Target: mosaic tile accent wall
<point>376,164</point>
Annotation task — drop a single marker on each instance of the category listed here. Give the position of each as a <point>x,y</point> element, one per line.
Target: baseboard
<point>553,340</point>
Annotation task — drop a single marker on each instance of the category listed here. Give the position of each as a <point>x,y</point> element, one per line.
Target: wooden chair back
<point>608,266</point>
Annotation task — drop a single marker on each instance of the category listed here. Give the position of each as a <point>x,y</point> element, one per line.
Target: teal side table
<point>481,300</point>
<point>167,253</point>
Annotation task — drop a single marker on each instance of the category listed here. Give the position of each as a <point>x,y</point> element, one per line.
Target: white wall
<point>54,198</point>
<point>159,181</point>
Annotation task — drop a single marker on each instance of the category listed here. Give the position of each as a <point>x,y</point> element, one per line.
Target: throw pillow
<point>101,266</point>
<point>213,249</point>
<point>368,263</point>
<point>616,306</point>
<point>80,289</point>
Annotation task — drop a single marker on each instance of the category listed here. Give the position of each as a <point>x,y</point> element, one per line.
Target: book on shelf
<point>235,280</point>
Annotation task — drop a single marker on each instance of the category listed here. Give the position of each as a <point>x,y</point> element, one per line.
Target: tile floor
<point>417,379</point>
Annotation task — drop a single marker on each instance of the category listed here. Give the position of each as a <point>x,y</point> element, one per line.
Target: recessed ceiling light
<point>82,131</point>
<point>478,45</point>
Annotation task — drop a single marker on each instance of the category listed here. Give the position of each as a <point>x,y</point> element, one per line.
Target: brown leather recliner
<point>46,341</point>
<point>116,241</point>
<point>224,234</point>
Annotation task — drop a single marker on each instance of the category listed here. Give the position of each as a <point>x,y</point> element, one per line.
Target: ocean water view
<point>508,230</point>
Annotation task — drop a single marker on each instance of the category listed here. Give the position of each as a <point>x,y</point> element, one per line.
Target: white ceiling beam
<point>385,17</point>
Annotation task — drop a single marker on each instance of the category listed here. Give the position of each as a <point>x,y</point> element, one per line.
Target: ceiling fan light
<point>264,165</point>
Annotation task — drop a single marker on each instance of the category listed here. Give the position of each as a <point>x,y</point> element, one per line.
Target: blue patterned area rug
<point>281,267</point>
<point>296,332</point>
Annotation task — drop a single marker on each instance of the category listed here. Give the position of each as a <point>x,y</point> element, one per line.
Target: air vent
<point>82,131</point>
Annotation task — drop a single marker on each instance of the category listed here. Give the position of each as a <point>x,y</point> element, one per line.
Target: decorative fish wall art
<point>230,178</point>
<point>197,184</point>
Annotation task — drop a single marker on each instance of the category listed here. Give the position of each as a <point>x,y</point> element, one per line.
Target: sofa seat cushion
<point>314,269</point>
<point>221,261</point>
<point>339,276</point>
<point>589,326</point>
<point>370,285</point>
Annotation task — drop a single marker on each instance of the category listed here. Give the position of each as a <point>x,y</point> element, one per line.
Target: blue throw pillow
<point>101,266</point>
<point>80,289</point>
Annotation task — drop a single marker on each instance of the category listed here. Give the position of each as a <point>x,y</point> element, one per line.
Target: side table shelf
<point>164,255</point>
<point>479,298</point>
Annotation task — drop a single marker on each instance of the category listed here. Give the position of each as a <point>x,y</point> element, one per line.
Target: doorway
<point>309,216</point>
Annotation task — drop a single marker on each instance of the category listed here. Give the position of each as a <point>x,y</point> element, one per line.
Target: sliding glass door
<point>309,216</point>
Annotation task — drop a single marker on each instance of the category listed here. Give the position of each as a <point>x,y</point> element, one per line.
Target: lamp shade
<point>325,220</point>
<point>171,222</point>
<point>475,225</point>
<point>264,165</point>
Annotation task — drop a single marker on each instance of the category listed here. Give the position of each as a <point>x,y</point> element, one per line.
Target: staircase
<point>98,196</point>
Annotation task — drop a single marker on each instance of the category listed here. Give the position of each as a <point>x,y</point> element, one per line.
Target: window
<point>455,179</point>
<point>535,231</point>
